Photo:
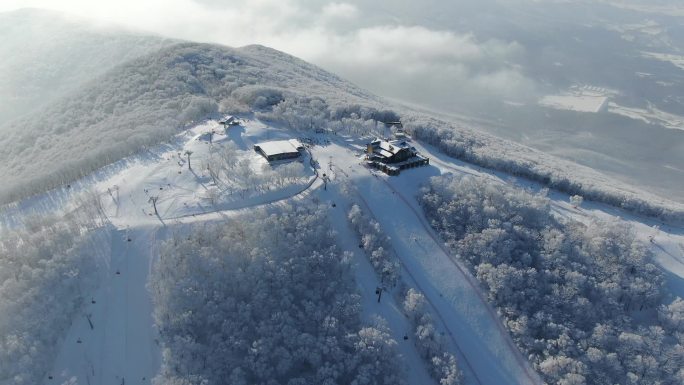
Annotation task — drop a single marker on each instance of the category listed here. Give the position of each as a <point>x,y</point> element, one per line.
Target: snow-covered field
<point>581,99</point>
<point>675,60</point>
<point>185,192</point>
<point>651,115</point>
<point>115,340</point>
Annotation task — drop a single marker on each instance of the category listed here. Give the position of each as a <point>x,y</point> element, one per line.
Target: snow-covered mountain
<point>146,100</point>
<point>159,247</point>
<point>234,265</point>
<point>46,55</point>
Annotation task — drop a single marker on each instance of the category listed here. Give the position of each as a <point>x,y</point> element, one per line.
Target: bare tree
<point>213,173</point>
<point>214,164</point>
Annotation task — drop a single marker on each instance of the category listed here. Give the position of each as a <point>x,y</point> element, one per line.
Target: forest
<point>584,302</point>
<point>48,260</point>
<point>265,299</point>
<point>552,172</point>
<point>464,143</point>
<point>146,101</point>
<point>441,363</point>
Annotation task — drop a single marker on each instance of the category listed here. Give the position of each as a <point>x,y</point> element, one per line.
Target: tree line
<point>584,302</point>
<point>48,265</point>
<point>442,364</point>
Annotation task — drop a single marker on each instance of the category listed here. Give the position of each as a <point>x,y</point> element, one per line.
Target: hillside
<point>185,281</point>
<point>46,55</point>
<point>149,98</point>
<point>145,239</point>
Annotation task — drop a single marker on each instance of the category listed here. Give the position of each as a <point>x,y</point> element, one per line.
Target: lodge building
<point>393,156</point>
<point>279,149</point>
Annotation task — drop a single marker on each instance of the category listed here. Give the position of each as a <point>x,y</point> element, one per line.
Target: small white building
<point>279,149</point>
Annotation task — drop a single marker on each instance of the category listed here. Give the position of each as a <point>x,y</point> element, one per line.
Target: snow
<point>182,192</point>
<point>581,99</point>
<point>279,147</point>
<point>122,344</point>
<point>488,356</point>
<point>650,114</point>
<point>368,281</point>
<point>675,60</point>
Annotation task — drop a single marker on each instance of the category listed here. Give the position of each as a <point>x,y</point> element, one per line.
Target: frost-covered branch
<point>579,300</point>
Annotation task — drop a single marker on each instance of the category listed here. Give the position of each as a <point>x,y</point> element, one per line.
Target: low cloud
<point>339,11</point>
<point>437,68</point>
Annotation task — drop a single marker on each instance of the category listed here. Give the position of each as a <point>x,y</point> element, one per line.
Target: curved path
<point>122,309</point>
<point>115,340</point>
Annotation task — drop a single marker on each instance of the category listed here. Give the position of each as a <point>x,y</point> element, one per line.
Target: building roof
<point>227,119</point>
<point>387,149</point>
<point>393,123</point>
<point>279,147</point>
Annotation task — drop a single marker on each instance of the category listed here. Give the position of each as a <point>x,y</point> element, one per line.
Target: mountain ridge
<point>47,55</point>
<point>150,98</point>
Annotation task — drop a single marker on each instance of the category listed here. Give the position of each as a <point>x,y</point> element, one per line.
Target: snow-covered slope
<point>122,343</point>
<point>46,55</point>
<point>146,196</point>
<point>113,112</point>
<point>146,101</point>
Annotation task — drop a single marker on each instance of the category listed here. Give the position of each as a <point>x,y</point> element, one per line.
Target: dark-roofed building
<point>229,120</point>
<point>393,156</point>
<point>395,123</point>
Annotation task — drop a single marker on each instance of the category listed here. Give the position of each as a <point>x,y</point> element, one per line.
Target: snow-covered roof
<point>387,149</point>
<point>227,119</point>
<point>279,147</point>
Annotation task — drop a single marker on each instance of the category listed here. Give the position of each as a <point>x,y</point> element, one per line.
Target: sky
<point>392,49</point>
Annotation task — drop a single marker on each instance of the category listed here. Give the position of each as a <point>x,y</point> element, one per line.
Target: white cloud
<point>340,10</point>
<point>395,60</point>
<point>424,65</point>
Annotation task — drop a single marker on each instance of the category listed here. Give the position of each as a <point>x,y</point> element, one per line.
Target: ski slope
<point>114,341</point>
<point>488,356</point>
<point>367,281</point>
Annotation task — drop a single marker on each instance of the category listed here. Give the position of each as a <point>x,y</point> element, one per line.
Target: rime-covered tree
<point>579,299</point>
<point>265,298</point>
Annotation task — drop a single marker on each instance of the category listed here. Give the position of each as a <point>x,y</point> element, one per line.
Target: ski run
<point>114,340</point>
